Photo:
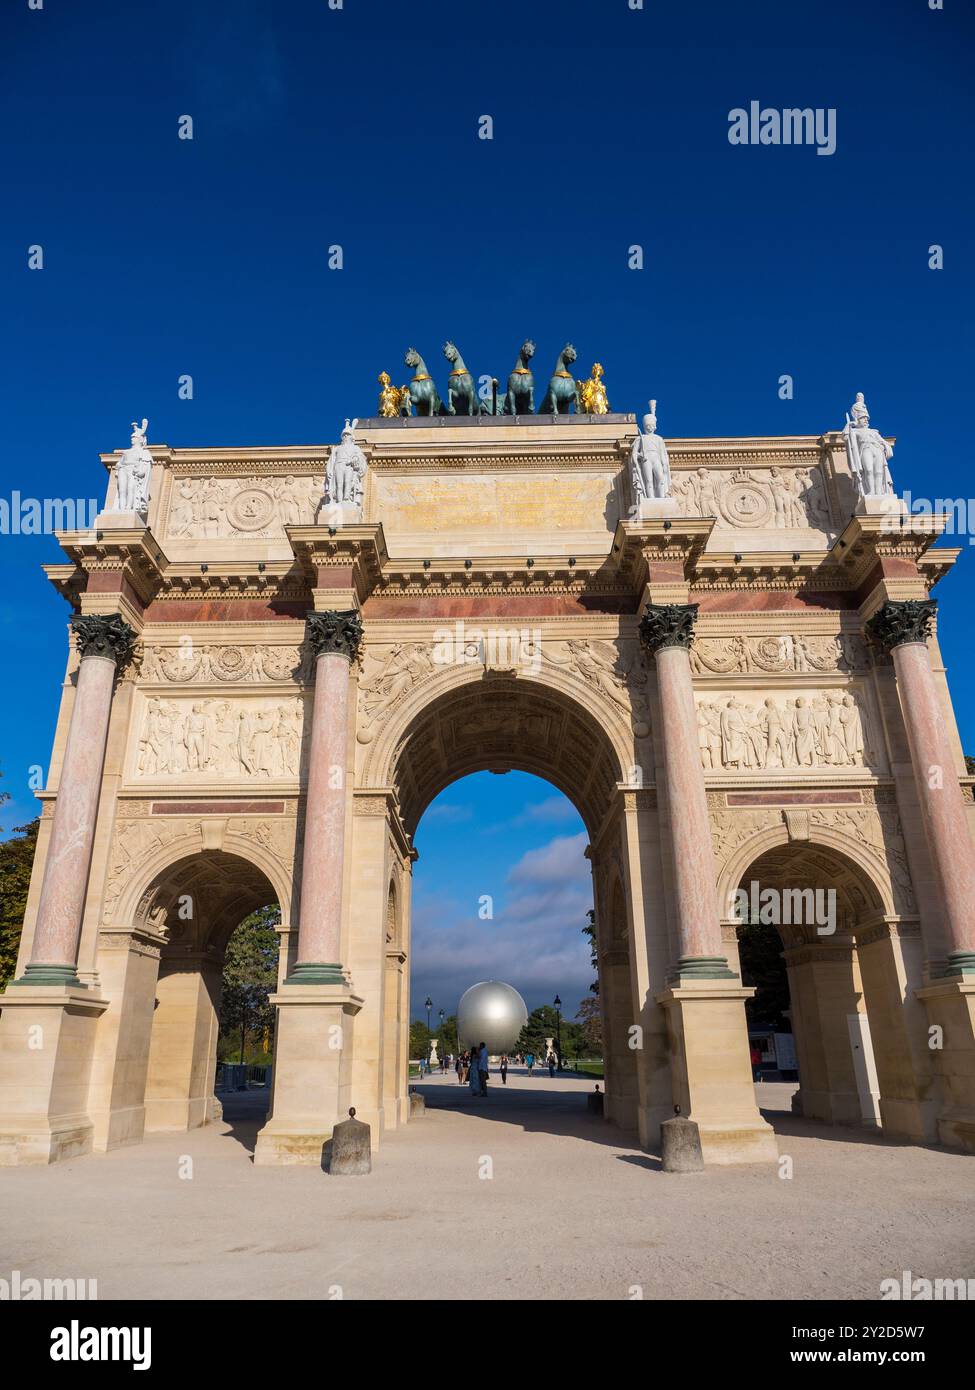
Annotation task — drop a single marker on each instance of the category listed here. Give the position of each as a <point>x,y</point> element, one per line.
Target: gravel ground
<point>572,1209</point>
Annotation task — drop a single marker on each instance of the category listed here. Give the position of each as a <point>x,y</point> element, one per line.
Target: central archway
<point>504,722</point>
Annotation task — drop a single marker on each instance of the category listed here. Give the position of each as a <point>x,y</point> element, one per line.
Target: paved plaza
<point>572,1210</point>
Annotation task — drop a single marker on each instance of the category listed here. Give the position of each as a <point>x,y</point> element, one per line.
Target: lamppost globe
<point>493,1013</point>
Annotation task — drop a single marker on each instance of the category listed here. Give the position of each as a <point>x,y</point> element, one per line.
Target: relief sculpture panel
<point>815,729</point>
<point>214,739</point>
<point>755,498</point>
<point>226,508</point>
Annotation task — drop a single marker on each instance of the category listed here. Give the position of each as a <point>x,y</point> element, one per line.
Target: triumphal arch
<point>723,651</point>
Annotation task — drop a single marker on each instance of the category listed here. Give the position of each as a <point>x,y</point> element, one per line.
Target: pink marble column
<point>335,638</point>
<point>103,642</point>
<point>667,631</point>
<point>901,628</point>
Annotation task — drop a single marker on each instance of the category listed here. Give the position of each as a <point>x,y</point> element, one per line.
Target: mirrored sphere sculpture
<point>491,1012</point>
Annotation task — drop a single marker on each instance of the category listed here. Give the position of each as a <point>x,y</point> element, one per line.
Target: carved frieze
<point>190,663</point>
<point>781,652</point>
<point>880,830</point>
<point>226,508</point>
<point>815,729</point>
<point>215,739</point>
<point>755,498</point>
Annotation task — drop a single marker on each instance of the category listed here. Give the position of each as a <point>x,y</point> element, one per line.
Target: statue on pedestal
<point>346,472</point>
<point>132,473</point>
<point>868,452</point>
<point>649,464</point>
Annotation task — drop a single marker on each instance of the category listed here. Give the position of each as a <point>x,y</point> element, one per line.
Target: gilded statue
<point>393,400</point>
<point>592,393</point>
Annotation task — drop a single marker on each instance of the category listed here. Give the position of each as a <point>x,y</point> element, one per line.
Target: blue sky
<point>358,127</point>
<point>527,871</point>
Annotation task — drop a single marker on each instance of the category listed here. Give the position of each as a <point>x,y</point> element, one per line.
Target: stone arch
<point>472,721</point>
<point>867,872</point>
<point>830,1004</point>
<point>192,900</point>
<point>140,901</point>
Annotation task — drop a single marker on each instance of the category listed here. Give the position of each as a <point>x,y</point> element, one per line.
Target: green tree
<point>762,965</point>
<point>590,1020</point>
<point>542,1023</point>
<point>589,930</point>
<point>16,862</point>
<point>420,1036</point>
<point>250,974</point>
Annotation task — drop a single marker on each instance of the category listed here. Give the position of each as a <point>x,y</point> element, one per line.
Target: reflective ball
<point>493,1013</point>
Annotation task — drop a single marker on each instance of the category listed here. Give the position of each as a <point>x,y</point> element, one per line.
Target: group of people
<point>472,1069</point>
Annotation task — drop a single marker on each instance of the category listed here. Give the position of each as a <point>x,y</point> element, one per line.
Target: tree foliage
<point>16,863</point>
<point>250,974</point>
<point>590,1021</point>
<point>762,965</point>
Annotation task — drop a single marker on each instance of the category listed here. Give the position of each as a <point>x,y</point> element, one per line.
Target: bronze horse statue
<point>460,387</point>
<point>423,391</point>
<point>520,397</point>
<point>562,391</point>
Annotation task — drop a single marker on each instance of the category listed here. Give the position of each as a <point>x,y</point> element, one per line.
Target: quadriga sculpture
<point>460,386</point>
<point>520,396</point>
<point>423,391</point>
<point>562,392</point>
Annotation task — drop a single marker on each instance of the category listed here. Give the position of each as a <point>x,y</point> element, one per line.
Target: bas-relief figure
<point>132,474</point>
<point>225,508</point>
<point>649,462</point>
<point>769,498</point>
<point>868,452</point>
<point>821,730</point>
<point>221,738</point>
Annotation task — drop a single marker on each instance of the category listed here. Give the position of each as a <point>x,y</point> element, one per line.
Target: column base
<point>316,973</point>
<point>701,968</point>
<point>950,1003</point>
<point>312,1072</point>
<point>711,1073</point>
<point>960,963</point>
<point>61,976</point>
<point>46,1040</point>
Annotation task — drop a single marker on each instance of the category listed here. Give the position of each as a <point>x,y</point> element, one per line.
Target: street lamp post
<point>428,1006</point>
<point>442,1043</point>
<point>558,1031</point>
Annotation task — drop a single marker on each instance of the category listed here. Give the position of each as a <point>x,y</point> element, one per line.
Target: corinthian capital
<point>106,635</point>
<point>667,625</point>
<point>896,623</point>
<point>335,632</point>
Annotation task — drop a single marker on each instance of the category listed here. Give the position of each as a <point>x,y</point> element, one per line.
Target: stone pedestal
<point>950,1005</point>
<point>889,505</point>
<point>119,521</point>
<point>712,1076</point>
<point>46,1038</point>
<point>312,1074</point>
<point>653,508</point>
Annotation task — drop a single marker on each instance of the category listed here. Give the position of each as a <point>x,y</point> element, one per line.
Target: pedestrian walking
<point>503,1068</point>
